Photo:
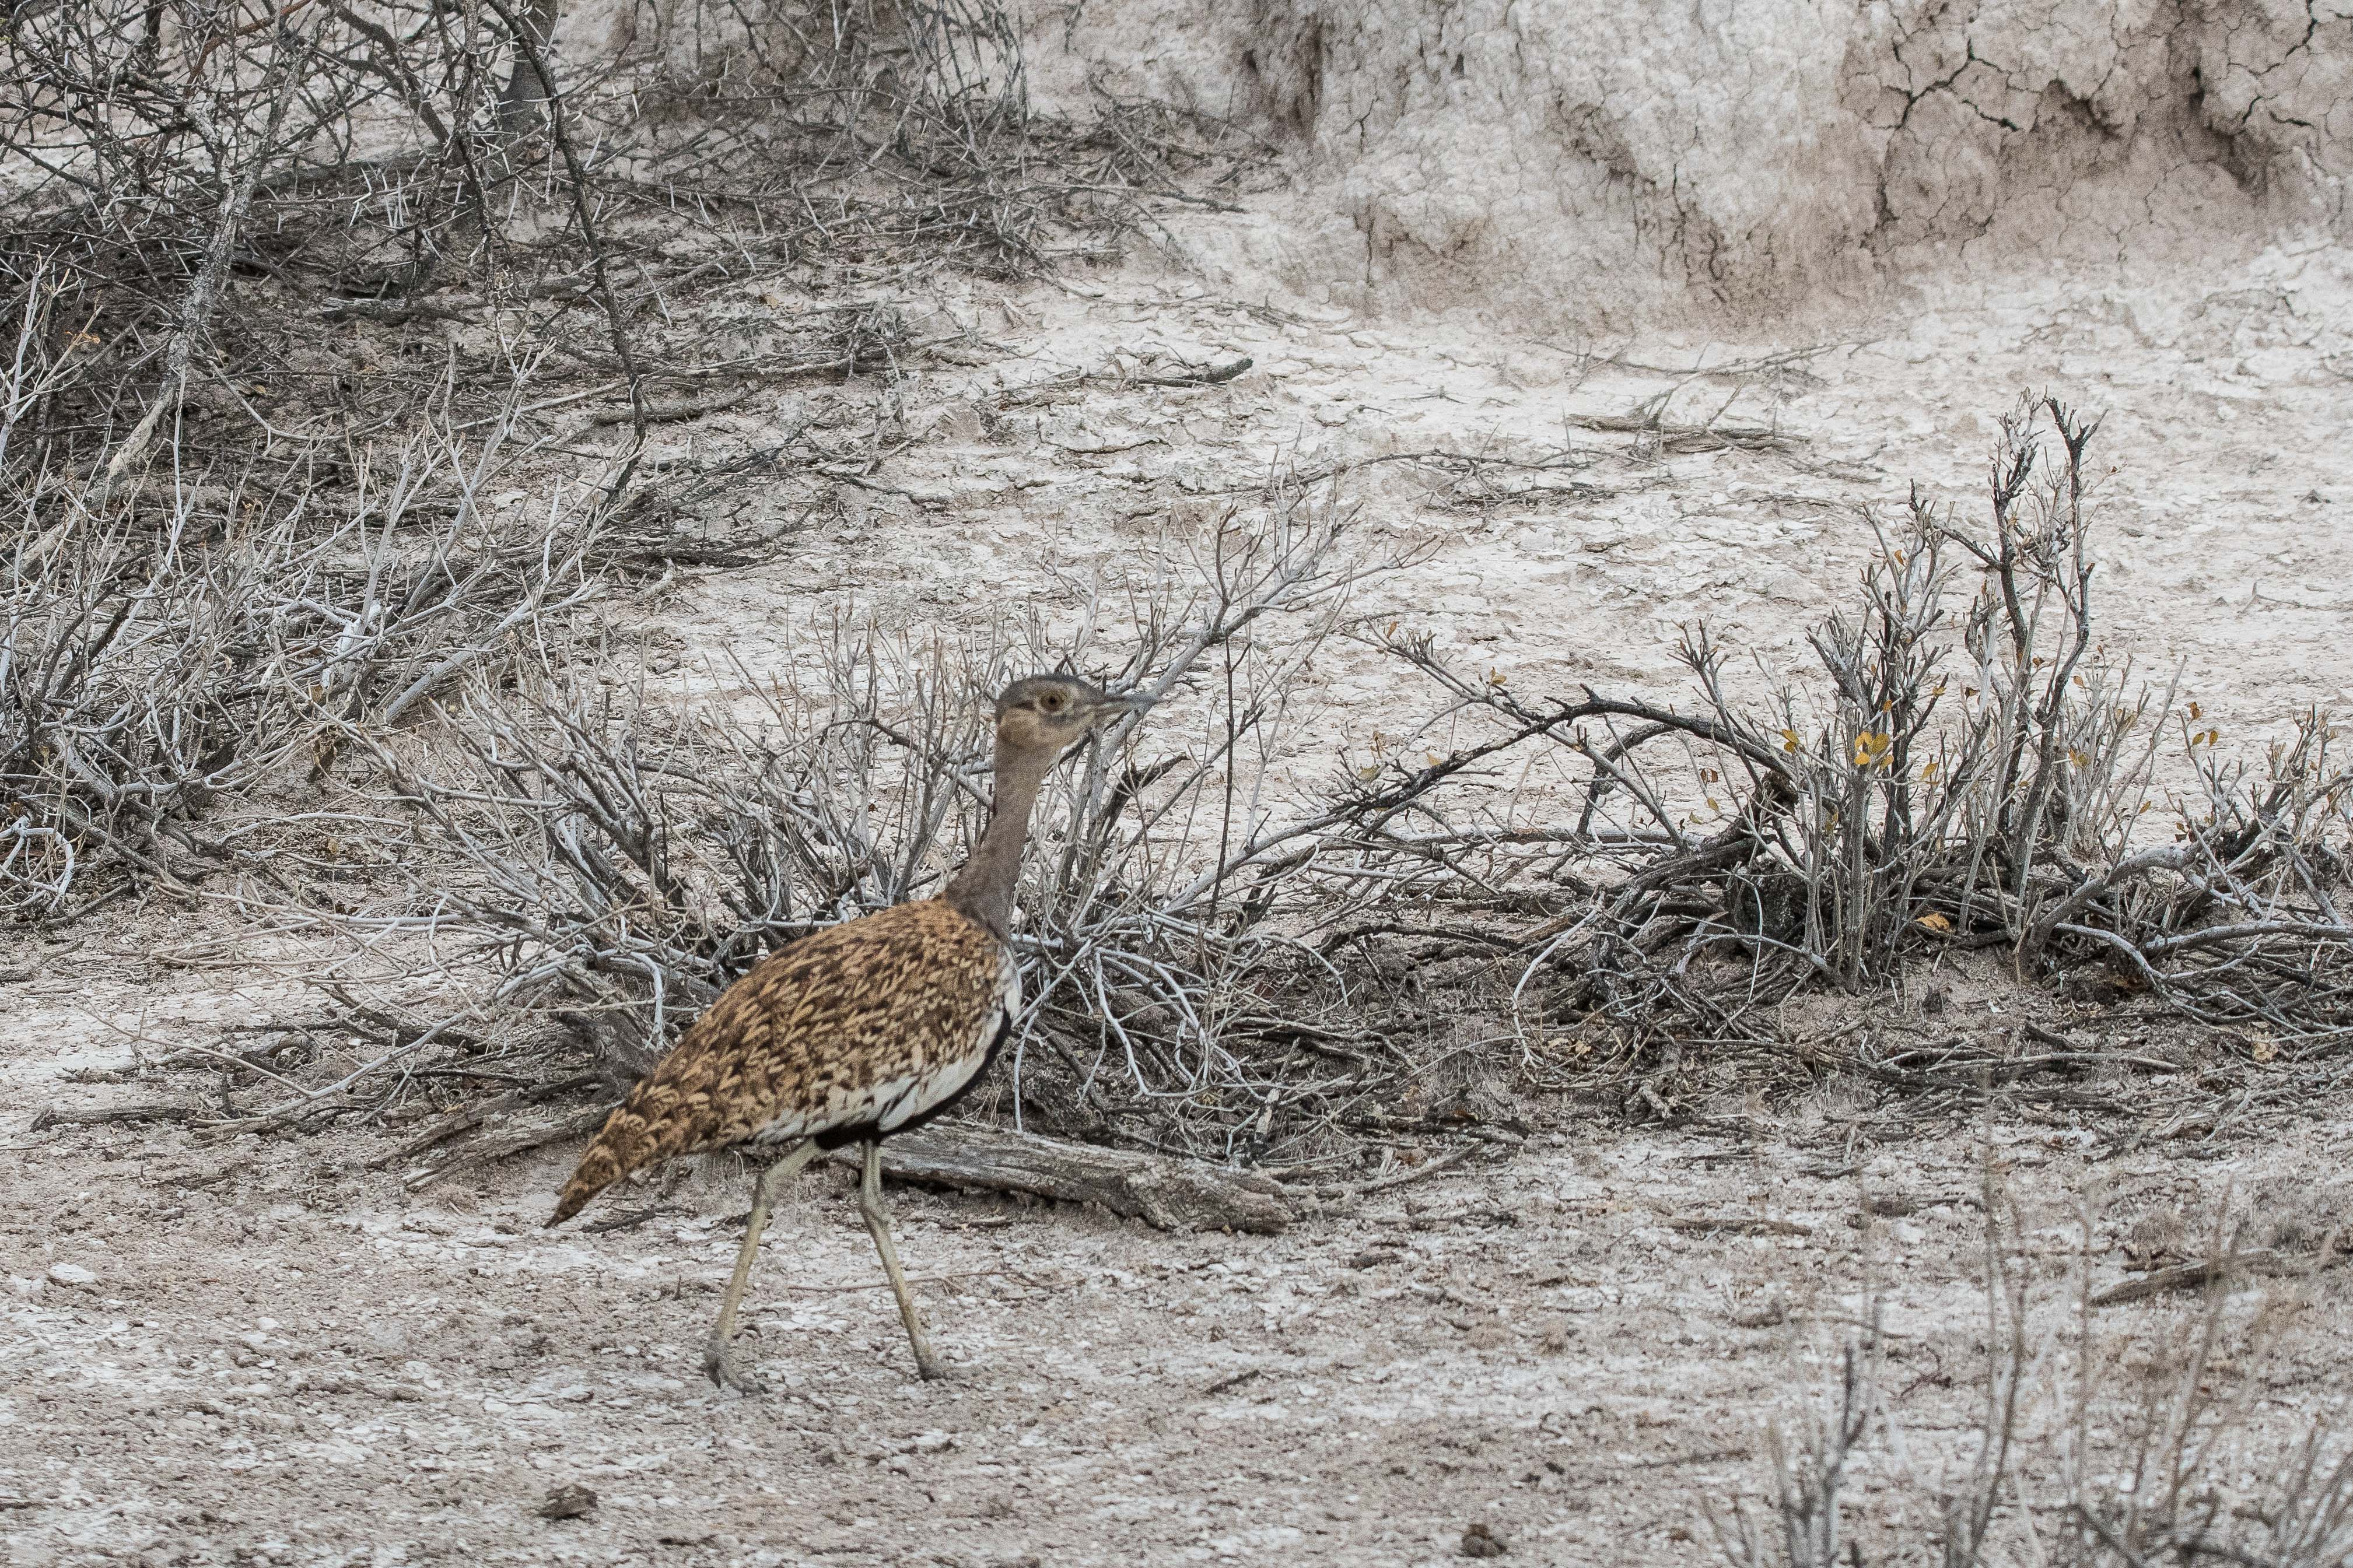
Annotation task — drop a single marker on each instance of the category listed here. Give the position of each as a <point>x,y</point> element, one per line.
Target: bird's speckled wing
<point>868,1023</point>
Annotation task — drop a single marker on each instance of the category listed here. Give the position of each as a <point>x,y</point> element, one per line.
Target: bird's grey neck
<point>984,889</point>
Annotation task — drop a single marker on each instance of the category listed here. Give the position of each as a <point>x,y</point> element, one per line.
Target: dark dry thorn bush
<point>592,870</point>
<point>163,670</point>
<point>1232,953</point>
<point>283,288</point>
<point>253,227</point>
<point>1962,767</point>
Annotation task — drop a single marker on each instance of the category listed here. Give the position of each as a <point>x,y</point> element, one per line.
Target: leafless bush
<point>150,669</point>
<point>1805,1473</point>
<point>1945,777</point>
<point>194,189</point>
<point>2085,1450</point>
<point>593,871</point>
<point>245,251</point>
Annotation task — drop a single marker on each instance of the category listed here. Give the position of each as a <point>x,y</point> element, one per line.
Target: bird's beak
<point>1109,708</point>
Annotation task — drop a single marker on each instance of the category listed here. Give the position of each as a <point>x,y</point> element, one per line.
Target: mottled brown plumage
<point>795,1047</point>
<point>854,1033</point>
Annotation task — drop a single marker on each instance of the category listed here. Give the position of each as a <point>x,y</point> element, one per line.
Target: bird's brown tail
<point>631,1139</point>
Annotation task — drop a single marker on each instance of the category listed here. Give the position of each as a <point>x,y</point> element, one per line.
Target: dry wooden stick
<point>2181,1277</point>
<point>1170,1195</point>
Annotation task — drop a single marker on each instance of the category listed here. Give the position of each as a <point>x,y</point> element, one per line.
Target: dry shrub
<point>162,668</point>
<point>253,261</point>
<point>1235,975</point>
<point>1954,773</point>
<point>589,870</point>
<point>199,190</point>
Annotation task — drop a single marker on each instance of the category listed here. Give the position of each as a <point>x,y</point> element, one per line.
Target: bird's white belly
<point>893,1102</point>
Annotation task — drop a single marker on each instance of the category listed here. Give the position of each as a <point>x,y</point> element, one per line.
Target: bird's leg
<point>878,1222</point>
<point>718,1358</point>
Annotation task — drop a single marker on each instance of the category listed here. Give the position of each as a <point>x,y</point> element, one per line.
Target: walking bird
<point>859,1031</point>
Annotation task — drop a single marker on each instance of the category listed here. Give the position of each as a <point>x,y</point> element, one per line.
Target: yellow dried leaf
<point>1932,921</point>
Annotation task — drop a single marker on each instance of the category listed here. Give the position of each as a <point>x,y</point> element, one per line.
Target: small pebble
<point>1480,1542</point>
<point>568,1502</point>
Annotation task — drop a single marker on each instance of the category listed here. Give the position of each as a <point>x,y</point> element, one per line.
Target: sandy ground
<point>248,1353</point>
<point>255,1353</point>
<point>2220,521</point>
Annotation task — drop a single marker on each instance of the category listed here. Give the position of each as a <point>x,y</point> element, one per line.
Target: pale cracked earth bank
<point>2223,495</point>
<point>1625,160</point>
<point>264,1355</point>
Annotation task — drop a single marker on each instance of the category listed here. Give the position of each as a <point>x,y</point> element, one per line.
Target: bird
<point>859,1031</point>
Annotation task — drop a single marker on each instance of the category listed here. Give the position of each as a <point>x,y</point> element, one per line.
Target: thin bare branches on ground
<point>202,189</point>
<point>258,258</point>
<point>154,671</point>
<point>591,871</point>
<point>1963,768</point>
<point>1229,954</point>
<point>2092,1444</point>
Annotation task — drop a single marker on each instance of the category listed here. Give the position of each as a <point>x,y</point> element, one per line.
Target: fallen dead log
<point>473,1116</point>
<point>508,1141</point>
<point>2181,1277</point>
<point>57,1116</point>
<point>1737,1225</point>
<point>1169,1194</point>
<point>1196,375</point>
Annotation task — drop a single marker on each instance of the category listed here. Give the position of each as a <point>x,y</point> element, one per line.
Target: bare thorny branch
<point>1881,814</point>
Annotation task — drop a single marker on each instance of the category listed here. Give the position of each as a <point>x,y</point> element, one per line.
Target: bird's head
<point>1051,713</point>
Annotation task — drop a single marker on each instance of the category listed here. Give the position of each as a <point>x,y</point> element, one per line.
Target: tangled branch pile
<point>1231,956</point>
<point>152,667</point>
<point>290,292</point>
<point>586,874</point>
<point>254,224</point>
<point>1952,775</point>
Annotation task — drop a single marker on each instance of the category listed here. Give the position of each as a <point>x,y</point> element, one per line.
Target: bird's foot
<point>722,1362</point>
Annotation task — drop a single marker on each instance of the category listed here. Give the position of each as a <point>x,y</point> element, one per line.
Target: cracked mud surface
<point>1633,164</point>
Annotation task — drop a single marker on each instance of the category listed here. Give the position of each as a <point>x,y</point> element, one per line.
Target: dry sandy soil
<point>2222,520</point>
<point>241,1353</point>
<point>270,1351</point>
